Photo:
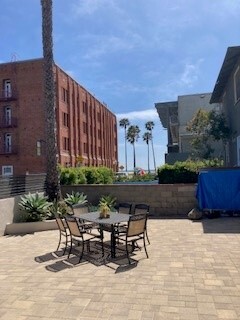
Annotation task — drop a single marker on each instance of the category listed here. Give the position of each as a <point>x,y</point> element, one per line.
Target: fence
<point>11,186</point>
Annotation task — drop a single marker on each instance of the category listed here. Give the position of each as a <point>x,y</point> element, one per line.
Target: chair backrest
<point>61,224</point>
<point>79,209</point>
<point>73,227</point>
<point>137,224</point>
<point>141,208</point>
<point>124,207</point>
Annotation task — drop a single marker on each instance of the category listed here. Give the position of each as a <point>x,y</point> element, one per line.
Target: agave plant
<point>107,201</point>
<point>75,198</point>
<point>36,206</point>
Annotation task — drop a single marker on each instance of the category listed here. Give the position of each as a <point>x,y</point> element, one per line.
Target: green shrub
<point>184,172</point>
<point>107,201</point>
<point>86,175</point>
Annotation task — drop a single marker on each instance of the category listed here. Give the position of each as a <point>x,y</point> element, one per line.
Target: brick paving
<point>193,273</point>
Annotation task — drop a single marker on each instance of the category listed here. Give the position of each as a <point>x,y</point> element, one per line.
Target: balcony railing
<point>8,95</point>
<point>6,122</point>
<point>8,150</point>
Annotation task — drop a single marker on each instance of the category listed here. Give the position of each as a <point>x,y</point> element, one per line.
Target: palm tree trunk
<point>126,149</point>
<point>154,160</point>
<point>52,177</point>
<point>148,160</point>
<point>134,158</point>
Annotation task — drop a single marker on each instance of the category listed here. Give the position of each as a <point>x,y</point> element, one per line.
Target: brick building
<point>86,128</point>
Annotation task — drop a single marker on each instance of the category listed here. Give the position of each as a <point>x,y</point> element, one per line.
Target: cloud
<point>142,115</point>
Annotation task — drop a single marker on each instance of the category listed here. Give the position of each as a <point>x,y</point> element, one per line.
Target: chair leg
<point>66,243</point>
<point>127,253</point>
<point>70,249</point>
<point>81,255</point>
<point>60,238</point>
<point>147,237</point>
<point>144,243</point>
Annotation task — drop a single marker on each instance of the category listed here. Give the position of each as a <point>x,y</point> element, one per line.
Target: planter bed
<point>30,227</point>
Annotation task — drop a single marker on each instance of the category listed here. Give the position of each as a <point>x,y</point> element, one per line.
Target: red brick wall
<point>88,131</point>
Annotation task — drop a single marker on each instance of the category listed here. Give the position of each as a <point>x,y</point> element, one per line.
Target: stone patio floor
<point>193,272</point>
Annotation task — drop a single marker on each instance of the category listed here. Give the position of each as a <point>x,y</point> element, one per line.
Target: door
<point>8,142</point>
<point>7,88</point>
<point>8,116</point>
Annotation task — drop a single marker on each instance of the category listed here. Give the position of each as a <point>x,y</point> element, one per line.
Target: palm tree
<point>124,123</point>
<point>132,137</point>
<point>52,177</point>
<point>149,126</point>
<point>147,137</point>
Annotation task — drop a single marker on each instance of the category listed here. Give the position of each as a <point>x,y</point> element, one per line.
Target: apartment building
<point>86,128</point>
<point>175,115</point>
<point>226,92</point>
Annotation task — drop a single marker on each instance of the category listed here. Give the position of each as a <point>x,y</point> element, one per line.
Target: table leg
<point>113,242</point>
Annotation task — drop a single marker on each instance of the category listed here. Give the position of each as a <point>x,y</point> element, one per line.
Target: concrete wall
<point>164,200</point>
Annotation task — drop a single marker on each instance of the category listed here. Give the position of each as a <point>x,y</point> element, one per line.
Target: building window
<point>85,147</point>
<point>38,148</point>
<point>99,134</point>
<point>7,88</point>
<point>65,95</point>
<point>66,144</point>
<point>85,129</point>
<point>7,170</point>
<point>237,85</point>
<point>8,142</point>
<point>65,119</point>
<point>8,116</point>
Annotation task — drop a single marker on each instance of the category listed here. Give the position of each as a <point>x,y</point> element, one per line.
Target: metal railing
<point>11,186</point>
<point>8,122</point>
<point>8,95</point>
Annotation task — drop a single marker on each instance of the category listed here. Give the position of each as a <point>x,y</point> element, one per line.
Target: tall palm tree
<point>147,137</point>
<point>124,123</point>
<point>149,126</point>
<point>52,178</point>
<point>132,137</point>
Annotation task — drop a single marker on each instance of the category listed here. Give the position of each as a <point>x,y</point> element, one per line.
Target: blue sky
<point>129,53</point>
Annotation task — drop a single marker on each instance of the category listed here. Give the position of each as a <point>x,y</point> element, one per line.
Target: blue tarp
<point>219,189</point>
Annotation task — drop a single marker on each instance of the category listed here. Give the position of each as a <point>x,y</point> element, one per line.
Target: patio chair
<point>124,207</point>
<point>79,235</point>
<point>78,210</point>
<point>142,208</point>
<point>63,232</point>
<point>135,231</point>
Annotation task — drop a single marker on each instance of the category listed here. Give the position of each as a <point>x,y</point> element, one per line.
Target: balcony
<point>8,95</point>
<point>8,122</point>
<point>8,150</point>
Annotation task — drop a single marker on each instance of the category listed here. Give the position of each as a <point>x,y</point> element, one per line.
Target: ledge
<point>30,227</point>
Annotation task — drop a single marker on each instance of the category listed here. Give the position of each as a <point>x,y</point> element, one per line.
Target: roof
<point>165,109</point>
<point>230,60</point>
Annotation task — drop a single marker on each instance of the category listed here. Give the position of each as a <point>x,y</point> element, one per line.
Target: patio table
<point>112,221</point>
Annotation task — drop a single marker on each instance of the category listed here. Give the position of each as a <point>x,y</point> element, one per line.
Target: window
<point>237,85</point>
<point>7,170</point>
<point>84,107</point>
<point>85,129</point>
<point>7,88</point>
<point>8,116</point>
<point>98,117</point>
<point>66,144</point>
<point>38,148</point>
<point>65,95</point>
<point>8,142</point>
<point>65,119</point>
<point>85,147</point>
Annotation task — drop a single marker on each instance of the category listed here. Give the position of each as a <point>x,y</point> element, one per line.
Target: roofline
<point>229,62</point>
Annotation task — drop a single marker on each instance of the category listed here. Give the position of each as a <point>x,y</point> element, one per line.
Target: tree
<point>52,176</point>
<point>147,137</point>
<point>132,137</point>
<point>206,127</point>
<point>124,123</point>
<point>149,126</point>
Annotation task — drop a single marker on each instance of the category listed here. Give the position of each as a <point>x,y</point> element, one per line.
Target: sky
<point>130,54</point>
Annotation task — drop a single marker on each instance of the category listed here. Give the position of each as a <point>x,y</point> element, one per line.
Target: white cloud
<point>144,115</point>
